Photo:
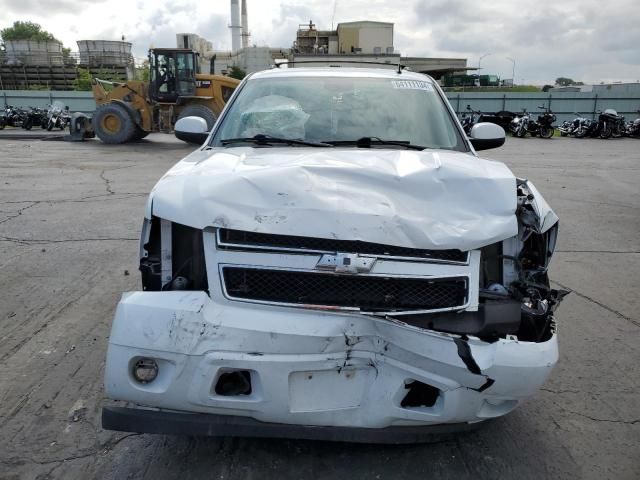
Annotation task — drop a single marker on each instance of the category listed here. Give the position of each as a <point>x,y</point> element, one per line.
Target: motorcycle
<point>13,117</point>
<point>469,119</point>
<point>58,116</point>
<point>619,127</point>
<point>608,122</point>
<point>632,128</point>
<point>34,116</point>
<point>524,124</point>
<point>545,122</point>
<point>520,124</point>
<point>578,127</point>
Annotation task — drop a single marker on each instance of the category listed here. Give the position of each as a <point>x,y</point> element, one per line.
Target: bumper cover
<point>309,368</point>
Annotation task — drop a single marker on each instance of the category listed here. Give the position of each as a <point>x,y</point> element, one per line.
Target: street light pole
<point>513,71</point>
<point>480,60</point>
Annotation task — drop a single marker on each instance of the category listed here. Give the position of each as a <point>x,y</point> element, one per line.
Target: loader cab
<point>172,74</point>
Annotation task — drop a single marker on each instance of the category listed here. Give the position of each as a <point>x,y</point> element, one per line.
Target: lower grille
<point>368,293</point>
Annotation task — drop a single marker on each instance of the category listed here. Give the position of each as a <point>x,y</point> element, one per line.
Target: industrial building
<point>361,42</point>
<point>242,54</point>
<point>352,42</point>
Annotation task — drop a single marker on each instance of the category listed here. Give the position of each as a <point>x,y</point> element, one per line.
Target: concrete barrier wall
<point>563,104</point>
<point>76,101</point>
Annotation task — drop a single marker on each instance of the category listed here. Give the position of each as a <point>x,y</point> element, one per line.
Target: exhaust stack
<point>245,27</point>
<point>235,26</point>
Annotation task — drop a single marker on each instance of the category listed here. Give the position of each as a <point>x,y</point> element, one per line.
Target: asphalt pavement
<point>70,216</point>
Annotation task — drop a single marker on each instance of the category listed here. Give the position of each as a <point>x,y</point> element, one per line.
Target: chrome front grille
<point>328,274</point>
<point>372,293</point>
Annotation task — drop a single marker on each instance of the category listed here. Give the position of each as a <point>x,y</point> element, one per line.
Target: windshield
<point>341,110</point>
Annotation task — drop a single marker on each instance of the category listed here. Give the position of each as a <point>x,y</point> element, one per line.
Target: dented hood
<point>419,199</point>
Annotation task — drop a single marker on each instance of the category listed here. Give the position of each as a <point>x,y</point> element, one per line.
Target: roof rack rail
<point>398,65</point>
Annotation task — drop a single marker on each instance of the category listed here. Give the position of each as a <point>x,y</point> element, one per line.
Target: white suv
<point>335,262</point>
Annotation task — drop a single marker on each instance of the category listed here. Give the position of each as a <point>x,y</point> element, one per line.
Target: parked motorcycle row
<point>55,116</point>
<point>608,124</point>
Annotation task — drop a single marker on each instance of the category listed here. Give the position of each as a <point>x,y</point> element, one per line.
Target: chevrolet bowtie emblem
<point>345,263</point>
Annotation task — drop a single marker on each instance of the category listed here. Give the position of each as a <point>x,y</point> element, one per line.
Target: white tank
<point>104,52</point>
<point>30,52</point>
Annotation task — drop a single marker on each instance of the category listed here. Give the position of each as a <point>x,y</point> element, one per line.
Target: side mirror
<point>192,130</point>
<point>485,135</point>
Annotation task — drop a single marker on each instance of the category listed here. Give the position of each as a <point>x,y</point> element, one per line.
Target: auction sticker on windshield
<point>412,85</point>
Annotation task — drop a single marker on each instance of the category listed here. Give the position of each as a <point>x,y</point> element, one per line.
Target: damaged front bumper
<point>306,368</point>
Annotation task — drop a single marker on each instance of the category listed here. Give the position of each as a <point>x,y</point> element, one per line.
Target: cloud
<point>583,39</point>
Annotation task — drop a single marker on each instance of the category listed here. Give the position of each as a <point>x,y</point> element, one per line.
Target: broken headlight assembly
<point>171,257</point>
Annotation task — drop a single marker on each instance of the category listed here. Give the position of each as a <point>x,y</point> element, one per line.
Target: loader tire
<point>198,111</point>
<point>113,124</point>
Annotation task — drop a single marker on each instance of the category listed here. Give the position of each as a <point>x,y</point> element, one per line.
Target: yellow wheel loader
<point>130,111</point>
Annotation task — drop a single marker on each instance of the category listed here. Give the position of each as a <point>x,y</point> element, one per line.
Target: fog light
<point>145,370</point>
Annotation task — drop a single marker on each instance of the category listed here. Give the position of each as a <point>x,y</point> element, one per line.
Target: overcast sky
<point>588,40</point>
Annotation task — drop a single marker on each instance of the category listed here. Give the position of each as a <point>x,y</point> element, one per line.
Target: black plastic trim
<point>208,425</point>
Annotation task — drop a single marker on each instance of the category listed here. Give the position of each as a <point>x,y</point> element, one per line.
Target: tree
<point>67,59</point>
<point>83,80</point>
<point>142,72</point>
<point>564,81</point>
<point>26,31</point>
<point>237,72</point>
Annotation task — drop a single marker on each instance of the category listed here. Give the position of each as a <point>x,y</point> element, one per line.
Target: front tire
<point>606,132</point>
<point>546,132</point>
<point>521,132</point>
<point>196,110</point>
<point>113,124</point>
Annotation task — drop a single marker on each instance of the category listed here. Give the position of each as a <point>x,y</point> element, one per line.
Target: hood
<point>415,199</point>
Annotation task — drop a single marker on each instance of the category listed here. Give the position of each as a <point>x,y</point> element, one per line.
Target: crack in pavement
<point>544,389</point>
<point>79,200</point>
<point>600,304</point>
<point>109,445</point>
<point>606,420</point>
<point>19,211</point>
<point>107,183</point>
<point>599,251</point>
<point>34,241</point>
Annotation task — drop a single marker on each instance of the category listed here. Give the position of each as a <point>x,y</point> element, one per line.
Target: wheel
<point>563,134</point>
<point>546,132</point>
<point>49,126</point>
<point>28,123</point>
<point>113,124</point>
<point>201,111</point>
<point>521,132</point>
<point>606,132</point>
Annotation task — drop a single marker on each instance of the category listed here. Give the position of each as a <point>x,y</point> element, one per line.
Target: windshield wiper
<point>261,139</point>
<point>367,142</point>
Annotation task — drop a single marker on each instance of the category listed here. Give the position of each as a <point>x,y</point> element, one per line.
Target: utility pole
<point>513,71</point>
